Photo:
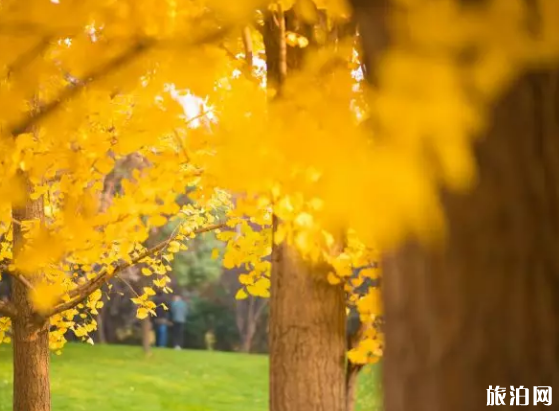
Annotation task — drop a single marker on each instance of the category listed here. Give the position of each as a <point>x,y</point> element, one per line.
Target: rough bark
<point>307,315</point>
<point>485,310</point>
<point>31,358</point>
<point>353,370</point>
<point>307,336</point>
<point>31,364</point>
<point>351,377</point>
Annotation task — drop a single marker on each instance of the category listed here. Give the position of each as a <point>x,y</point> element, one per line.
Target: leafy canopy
<point>88,87</point>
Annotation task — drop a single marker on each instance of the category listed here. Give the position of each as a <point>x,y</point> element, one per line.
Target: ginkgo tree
<point>84,84</point>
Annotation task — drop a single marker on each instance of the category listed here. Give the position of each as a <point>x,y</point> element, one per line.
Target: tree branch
<point>139,47</point>
<point>28,56</point>
<point>79,294</point>
<point>247,44</point>
<point>73,88</point>
<point>23,280</point>
<point>5,269</point>
<point>7,310</point>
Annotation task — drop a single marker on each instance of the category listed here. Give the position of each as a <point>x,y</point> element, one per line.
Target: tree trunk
<point>246,344</point>
<point>307,336</point>
<point>31,366</point>
<point>351,377</point>
<point>31,357</point>
<point>307,315</point>
<point>356,329</point>
<point>101,336</point>
<point>485,310</point>
<point>146,335</point>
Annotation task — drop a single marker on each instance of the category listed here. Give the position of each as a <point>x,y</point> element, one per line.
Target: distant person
<point>179,311</point>
<point>161,325</point>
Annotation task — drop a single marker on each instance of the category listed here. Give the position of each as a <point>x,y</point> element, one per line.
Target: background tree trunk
<point>485,310</point>
<point>353,370</point>
<point>307,315</point>
<point>307,337</point>
<point>146,335</point>
<point>101,336</point>
<point>31,357</point>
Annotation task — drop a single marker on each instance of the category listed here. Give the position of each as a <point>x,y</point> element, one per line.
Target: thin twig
<point>118,277</point>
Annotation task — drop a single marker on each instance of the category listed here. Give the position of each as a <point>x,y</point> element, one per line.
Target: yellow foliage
<point>44,296</point>
<point>119,80</point>
<point>241,294</point>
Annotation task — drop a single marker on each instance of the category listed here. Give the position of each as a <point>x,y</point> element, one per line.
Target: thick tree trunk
<point>307,337</point>
<point>485,310</point>
<point>31,366</point>
<point>307,315</point>
<point>30,334</point>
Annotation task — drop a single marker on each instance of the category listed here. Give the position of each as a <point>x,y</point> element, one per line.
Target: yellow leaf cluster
<point>107,68</point>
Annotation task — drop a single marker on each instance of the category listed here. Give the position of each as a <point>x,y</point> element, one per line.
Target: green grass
<point>115,378</point>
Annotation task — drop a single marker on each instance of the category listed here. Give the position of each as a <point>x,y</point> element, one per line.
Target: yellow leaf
<point>142,313</point>
<point>45,296</point>
<point>146,271</point>
<point>357,357</point>
<point>104,165</point>
<point>174,247</point>
<point>369,273</point>
<point>302,42</point>
<point>306,10</point>
<point>241,294</point>
<point>333,278</point>
<point>157,220</point>
<point>215,254</point>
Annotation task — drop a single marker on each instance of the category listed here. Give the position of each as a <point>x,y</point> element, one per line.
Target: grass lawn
<point>115,378</point>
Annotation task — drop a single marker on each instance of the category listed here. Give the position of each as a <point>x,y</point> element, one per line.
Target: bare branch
<point>79,294</point>
<point>7,310</point>
<point>28,56</point>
